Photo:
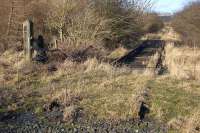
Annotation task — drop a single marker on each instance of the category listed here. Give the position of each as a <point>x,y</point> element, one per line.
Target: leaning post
<point>27,35</point>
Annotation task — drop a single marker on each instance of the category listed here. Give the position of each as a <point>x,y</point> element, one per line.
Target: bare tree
<point>111,21</point>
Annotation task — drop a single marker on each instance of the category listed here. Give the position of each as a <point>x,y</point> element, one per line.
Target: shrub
<point>187,23</point>
<point>153,23</point>
<point>109,22</point>
<point>124,24</point>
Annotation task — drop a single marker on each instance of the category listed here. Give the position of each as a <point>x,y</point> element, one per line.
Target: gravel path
<point>28,123</point>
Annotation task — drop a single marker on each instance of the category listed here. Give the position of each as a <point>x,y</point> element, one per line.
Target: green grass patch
<point>170,100</point>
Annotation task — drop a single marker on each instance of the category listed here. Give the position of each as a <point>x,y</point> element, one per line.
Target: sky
<point>169,6</point>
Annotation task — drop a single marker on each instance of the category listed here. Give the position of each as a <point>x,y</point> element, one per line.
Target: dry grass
<point>193,123</point>
<point>176,123</point>
<point>183,62</point>
<point>106,91</point>
<point>168,33</point>
<point>172,103</point>
<point>152,64</point>
<point>118,53</point>
<point>9,64</point>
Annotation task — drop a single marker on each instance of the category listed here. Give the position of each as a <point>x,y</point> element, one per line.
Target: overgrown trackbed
<point>139,57</point>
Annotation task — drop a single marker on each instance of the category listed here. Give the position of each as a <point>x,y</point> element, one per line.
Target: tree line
<point>109,23</point>
<point>187,23</point>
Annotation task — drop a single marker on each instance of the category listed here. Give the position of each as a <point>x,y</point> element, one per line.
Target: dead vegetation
<point>153,23</point>
<point>186,23</point>
<point>193,123</point>
<point>107,23</point>
<point>92,87</point>
<point>182,62</point>
<point>77,90</point>
<point>110,24</point>
<point>77,82</point>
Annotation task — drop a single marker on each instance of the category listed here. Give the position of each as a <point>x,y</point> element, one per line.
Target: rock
<point>94,126</point>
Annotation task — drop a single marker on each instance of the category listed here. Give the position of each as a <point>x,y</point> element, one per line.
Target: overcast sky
<point>169,6</point>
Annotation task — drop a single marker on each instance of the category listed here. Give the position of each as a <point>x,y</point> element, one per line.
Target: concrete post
<point>27,35</point>
<point>55,43</point>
